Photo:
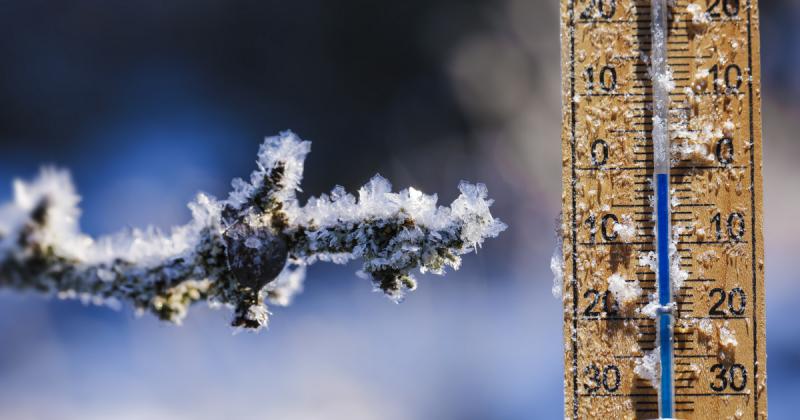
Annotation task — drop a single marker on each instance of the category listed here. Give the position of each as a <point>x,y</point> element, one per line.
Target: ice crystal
<point>557,268</point>
<point>727,339</point>
<point>625,293</point>
<point>648,367</point>
<point>626,229</point>
<point>241,252</point>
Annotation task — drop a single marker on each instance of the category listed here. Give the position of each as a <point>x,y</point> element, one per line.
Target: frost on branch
<point>241,252</point>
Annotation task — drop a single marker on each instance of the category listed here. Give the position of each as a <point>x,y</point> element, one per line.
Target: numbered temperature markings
<point>608,222</point>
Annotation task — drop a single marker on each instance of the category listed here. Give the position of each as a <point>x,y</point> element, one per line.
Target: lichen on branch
<point>240,252</point>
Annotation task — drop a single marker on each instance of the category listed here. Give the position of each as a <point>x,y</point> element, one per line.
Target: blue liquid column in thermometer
<point>661,161</point>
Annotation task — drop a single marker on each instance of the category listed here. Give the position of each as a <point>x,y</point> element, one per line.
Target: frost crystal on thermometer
<point>557,268</point>
<point>648,259</point>
<point>625,229</point>
<point>648,367</point>
<point>557,261</point>
<point>625,293</point>
<point>241,252</point>
<point>677,274</point>
<point>727,339</point>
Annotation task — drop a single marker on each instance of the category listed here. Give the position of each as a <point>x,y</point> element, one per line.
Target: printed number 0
<point>730,7</point>
<point>605,8</point>
<point>608,78</point>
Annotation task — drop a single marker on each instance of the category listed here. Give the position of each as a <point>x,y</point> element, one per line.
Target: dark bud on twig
<point>393,283</point>
<point>255,256</point>
<point>250,312</point>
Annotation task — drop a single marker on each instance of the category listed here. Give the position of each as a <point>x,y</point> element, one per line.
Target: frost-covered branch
<point>242,251</point>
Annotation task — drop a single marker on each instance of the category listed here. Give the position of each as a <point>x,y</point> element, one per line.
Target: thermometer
<point>662,210</point>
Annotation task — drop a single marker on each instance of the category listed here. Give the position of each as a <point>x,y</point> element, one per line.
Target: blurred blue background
<point>149,102</point>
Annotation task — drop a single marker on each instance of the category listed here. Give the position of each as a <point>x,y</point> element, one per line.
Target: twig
<point>242,251</point>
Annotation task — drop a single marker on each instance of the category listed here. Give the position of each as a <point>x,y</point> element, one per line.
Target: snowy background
<point>150,102</point>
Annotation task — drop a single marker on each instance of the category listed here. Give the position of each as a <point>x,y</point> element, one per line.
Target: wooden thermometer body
<point>608,223</point>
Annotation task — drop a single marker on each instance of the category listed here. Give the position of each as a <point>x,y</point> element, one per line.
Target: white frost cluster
<point>649,260</point>
<point>624,292</point>
<point>700,18</point>
<point>705,327</point>
<point>56,187</point>
<point>557,268</point>
<point>653,308</point>
<point>727,339</point>
<point>289,283</point>
<point>677,277</point>
<point>694,146</point>
<point>285,150</point>
<point>54,191</point>
<point>648,367</point>
<point>677,274</point>
<point>626,229</point>
<point>666,80</point>
<point>376,201</point>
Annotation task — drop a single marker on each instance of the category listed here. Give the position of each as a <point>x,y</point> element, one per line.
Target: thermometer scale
<point>662,210</point>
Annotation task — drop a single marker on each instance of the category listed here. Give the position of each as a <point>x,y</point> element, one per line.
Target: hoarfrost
<point>648,259</point>
<point>699,17</point>
<point>648,367</point>
<point>727,339</point>
<point>626,229</point>
<point>557,267</point>
<point>653,308</point>
<point>242,251</point>
<point>728,128</point>
<point>289,283</point>
<point>705,327</point>
<point>624,292</point>
<point>677,274</point>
